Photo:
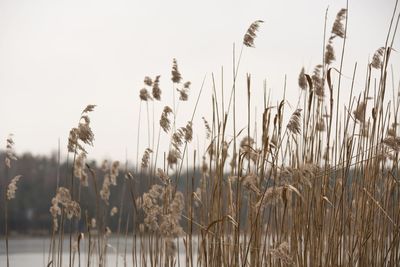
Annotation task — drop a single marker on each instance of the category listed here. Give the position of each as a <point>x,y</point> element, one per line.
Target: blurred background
<point>58,56</point>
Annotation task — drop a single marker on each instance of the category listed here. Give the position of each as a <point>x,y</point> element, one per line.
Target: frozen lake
<point>34,251</point>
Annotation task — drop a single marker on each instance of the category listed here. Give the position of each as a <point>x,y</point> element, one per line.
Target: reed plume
<point>10,154</point>
<point>12,187</point>
<point>251,34</point>
<point>165,123</point>
<point>82,133</point>
<point>156,88</point>
<point>183,93</point>
<point>146,158</point>
<point>377,58</point>
<point>113,211</point>
<point>318,82</point>
<point>294,122</point>
<point>144,95</point>
<point>148,81</point>
<point>329,53</point>
<point>282,253</point>
<point>176,75</point>
<point>302,81</point>
<point>79,169</point>
<point>338,28</point>
<point>63,199</point>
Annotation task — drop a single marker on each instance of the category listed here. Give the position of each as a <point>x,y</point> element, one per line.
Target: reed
<point>298,186</point>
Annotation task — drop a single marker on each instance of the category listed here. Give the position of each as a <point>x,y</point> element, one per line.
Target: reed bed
<point>316,189</point>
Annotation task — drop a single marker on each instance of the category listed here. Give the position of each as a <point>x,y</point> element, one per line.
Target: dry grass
<point>307,192</point>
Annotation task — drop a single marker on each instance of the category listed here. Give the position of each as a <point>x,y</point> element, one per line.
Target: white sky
<point>58,56</point>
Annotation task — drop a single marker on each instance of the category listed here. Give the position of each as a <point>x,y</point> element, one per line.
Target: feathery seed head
<point>79,170</point>
<point>85,133</point>
<point>146,158</point>
<point>329,54</point>
<point>251,181</point>
<point>183,94</point>
<point>148,81</point>
<point>63,196</point>
<point>73,139</point>
<point>318,82</point>
<point>114,172</point>
<point>73,209</point>
<point>165,123</point>
<point>105,190</point>
<point>359,113</point>
<point>302,79</point>
<point>163,176</point>
<point>294,122</point>
<point>173,156</point>
<point>378,58</point>
<point>113,211</point>
<point>177,138</point>
<point>338,28</point>
<point>156,88</point>
<point>392,142</point>
<point>188,132</point>
<point>10,155</point>
<point>176,76</point>
<point>82,133</point>
<point>89,108</point>
<point>246,147</point>
<point>12,187</point>
<point>251,34</point>
<point>144,95</point>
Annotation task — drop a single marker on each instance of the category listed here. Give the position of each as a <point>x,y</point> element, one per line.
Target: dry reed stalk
<point>298,197</point>
<point>9,188</point>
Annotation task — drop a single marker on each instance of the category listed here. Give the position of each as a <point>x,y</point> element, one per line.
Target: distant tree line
<point>29,211</point>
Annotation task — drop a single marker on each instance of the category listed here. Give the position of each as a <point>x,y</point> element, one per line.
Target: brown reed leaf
<point>309,81</point>
<point>329,80</point>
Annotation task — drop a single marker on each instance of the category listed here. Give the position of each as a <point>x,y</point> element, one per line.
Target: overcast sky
<point>58,56</point>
